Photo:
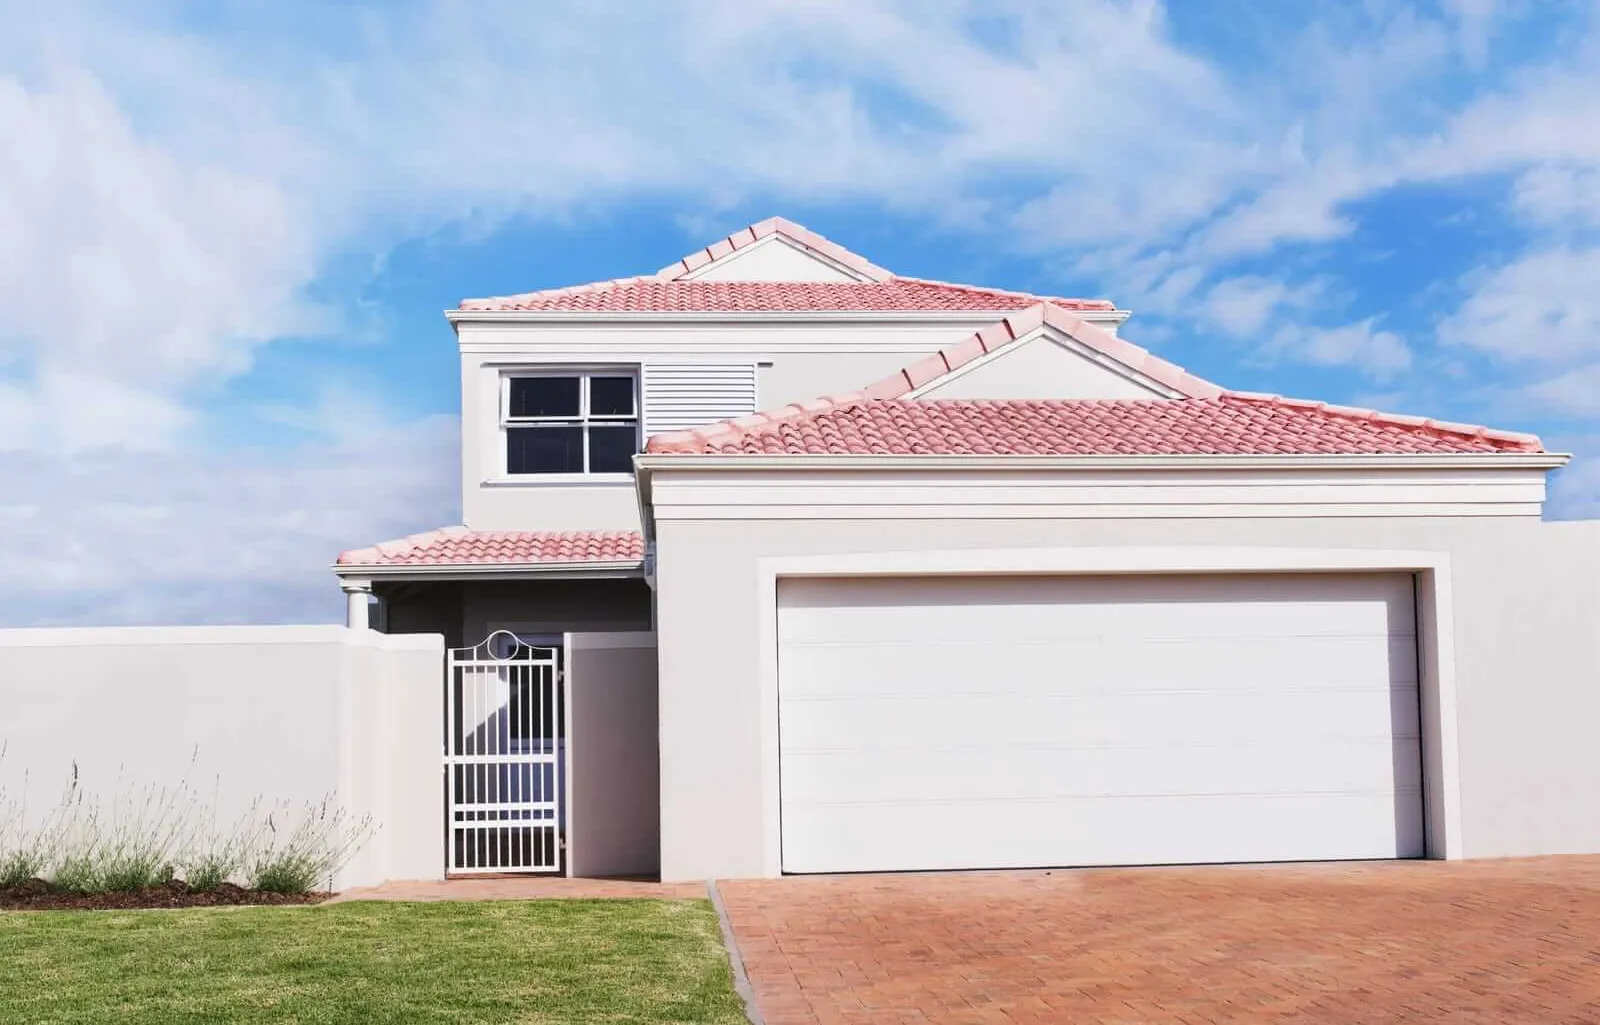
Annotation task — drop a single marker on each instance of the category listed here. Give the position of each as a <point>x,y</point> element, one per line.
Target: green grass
<point>567,961</point>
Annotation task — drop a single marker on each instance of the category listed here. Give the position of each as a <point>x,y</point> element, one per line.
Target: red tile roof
<point>785,228</point>
<point>1231,424</point>
<point>672,291</point>
<point>650,295</point>
<point>996,336</point>
<point>458,546</point>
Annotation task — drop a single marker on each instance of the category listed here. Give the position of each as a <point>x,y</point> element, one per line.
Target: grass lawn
<point>568,961</point>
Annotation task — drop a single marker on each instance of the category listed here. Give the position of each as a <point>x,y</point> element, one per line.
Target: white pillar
<point>358,603</point>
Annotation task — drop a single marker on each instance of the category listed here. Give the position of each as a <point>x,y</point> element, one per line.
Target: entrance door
<point>504,757</point>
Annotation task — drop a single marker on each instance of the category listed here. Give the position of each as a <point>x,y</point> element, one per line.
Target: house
<point>776,561</point>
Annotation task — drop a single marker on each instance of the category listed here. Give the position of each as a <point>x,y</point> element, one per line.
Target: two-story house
<point>985,585</point>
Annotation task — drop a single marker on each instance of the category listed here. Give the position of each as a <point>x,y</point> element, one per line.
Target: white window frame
<point>584,419</point>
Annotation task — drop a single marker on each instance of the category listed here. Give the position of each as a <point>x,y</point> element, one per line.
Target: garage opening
<point>1013,722</point>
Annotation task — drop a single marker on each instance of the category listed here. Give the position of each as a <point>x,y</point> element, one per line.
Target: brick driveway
<point>1497,942</point>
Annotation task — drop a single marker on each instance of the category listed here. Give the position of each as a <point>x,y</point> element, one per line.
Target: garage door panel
<point>1091,620</point>
<point>1112,831</point>
<point>949,666</point>
<point>973,773</point>
<point>968,723</point>
<point>874,610</point>
<point>1151,717</point>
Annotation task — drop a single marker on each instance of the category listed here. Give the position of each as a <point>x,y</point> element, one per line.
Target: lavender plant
<point>303,848</point>
<point>26,852</point>
<point>152,835</point>
<point>128,843</point>
<point>216,854</point>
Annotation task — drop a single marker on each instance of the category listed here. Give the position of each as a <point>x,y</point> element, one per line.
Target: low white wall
<point>280,713</point>
<point>613,808</point>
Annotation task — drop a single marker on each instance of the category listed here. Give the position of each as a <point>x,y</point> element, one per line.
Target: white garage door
<point>937,723</point>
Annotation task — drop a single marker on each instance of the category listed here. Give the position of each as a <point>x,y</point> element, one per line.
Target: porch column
<point>358,603</point>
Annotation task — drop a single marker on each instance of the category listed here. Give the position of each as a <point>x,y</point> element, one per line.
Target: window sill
<point>565,480</point>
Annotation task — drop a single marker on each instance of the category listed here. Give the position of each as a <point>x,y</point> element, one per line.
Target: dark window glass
<point>544,450</point>
<point>544,396</point>
<point>611,449</point>
<point>610,396</point>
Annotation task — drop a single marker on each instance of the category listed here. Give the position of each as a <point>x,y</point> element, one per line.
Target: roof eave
<point>769,316</point>
<point>494,571</point>
<point>656,461</point>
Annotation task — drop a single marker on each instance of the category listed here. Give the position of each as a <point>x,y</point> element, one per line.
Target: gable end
<point>713,262</point>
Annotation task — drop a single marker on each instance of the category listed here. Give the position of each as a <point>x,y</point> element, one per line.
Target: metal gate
<point>504,757</point>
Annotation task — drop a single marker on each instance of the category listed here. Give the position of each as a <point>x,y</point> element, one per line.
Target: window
<point>570,422</point>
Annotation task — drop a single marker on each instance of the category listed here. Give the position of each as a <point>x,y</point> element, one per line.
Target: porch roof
<point>438,552</point>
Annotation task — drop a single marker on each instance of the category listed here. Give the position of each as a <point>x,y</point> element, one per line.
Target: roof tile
<point>1230,424</point>
<point>459,546</point>
<point>649,295</point>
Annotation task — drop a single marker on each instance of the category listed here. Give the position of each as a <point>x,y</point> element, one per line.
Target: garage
<point>1007,722</point>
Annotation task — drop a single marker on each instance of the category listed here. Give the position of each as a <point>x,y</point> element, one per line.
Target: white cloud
<point>1559,196</point>
<point>1242,305</point>
<point>1541,306</point>
<point>1360,346</point>
<point>1475,21</point>
<point>129,276</point>
<point>220,537</point>
<point>1574,393</point>
<point>1294,210</point>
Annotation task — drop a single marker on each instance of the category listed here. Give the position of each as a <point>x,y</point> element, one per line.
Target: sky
<point>228,230</point>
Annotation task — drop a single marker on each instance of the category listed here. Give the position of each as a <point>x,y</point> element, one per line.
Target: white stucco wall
<point>1524,595</point>
<point>802,361</point>
<point>772,259</point>
<point>1039,368</point>
<point>798,360</point>
<point>283,713</point>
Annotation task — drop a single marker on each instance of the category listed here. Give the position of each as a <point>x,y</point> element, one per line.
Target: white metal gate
<point>504,757</point>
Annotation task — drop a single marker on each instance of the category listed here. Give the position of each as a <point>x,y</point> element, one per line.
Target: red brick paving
<point>1498,942</point>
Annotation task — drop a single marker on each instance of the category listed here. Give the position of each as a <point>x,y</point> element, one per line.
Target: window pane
<point>611,449</point>
<point>610,396</point>
<point>544,450</point>
<point>544,396</point>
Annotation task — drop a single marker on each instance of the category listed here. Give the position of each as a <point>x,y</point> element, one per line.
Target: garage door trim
<point>1437,686</point>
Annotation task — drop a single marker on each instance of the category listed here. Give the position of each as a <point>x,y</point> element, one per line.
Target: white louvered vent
<point>678,396</point>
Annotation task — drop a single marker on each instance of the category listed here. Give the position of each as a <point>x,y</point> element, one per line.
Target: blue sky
<point>227,230</point>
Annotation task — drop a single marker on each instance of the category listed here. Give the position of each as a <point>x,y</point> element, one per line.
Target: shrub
<point>129,847</point>
<point>208,872</point>
<point>297,858</point>
<point>216,855</point>
<point>25,853</point>
<point>22,854</point>
<point>19,866</point>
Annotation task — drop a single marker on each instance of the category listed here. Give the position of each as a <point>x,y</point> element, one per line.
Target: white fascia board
<point>524,571</point>
<point>764,316</point>
<point>1464,461</point>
